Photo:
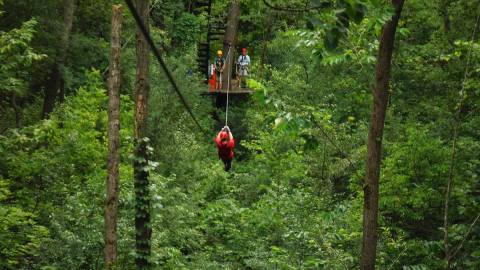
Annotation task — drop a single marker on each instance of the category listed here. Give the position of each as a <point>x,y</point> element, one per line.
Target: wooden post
<point>375,136</point>
<point>143,230</point>
<point>114,83</point>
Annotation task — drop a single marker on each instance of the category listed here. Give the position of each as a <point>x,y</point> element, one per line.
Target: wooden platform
<point>234,91</point>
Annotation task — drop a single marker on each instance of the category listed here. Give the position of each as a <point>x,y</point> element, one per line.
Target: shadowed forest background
<point>295,196</point>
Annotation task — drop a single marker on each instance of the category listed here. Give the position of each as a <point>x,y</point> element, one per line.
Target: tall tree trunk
<point>375,136</point>
<point>56,86</point>
<point>114,83</point>
<point>141,182</point>
<point>230,38</point>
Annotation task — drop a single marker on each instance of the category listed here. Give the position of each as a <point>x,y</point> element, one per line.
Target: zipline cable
<point>228,83</point>
<point>155,51</point>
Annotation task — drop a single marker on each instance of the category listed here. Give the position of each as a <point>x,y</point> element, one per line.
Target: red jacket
<point>225,151</point>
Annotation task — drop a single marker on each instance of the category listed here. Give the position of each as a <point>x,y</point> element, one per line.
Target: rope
<point>228,83</point>
<point>149,40</point>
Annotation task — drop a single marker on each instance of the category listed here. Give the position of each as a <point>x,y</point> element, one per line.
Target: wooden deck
<point>234,91</point>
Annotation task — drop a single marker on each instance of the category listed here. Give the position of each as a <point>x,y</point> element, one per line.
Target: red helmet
<point>223,135</point>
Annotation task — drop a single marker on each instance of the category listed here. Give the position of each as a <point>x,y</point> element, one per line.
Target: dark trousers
<point>228,164</point>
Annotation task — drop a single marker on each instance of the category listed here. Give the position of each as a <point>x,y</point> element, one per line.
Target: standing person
<point>243,64</point>
<point>225,144</point>
<point>219,66</point>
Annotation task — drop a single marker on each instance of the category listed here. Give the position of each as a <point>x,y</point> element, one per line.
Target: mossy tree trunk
<point>143,231</point>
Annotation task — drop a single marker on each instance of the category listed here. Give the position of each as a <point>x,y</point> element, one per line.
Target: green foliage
<point>185,30</point>
<point>17,57</point>
<point>57,170</point>
<point>20,235</point>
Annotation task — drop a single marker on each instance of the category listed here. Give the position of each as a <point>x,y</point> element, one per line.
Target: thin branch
<point>397,258</point>
<point>332,142</point>
<point>456,126</point>
<point>465,237</point>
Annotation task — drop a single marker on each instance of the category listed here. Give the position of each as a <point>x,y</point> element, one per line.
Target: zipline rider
<point>225,144</point>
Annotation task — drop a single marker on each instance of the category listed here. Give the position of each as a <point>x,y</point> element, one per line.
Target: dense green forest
<point>356,106</point>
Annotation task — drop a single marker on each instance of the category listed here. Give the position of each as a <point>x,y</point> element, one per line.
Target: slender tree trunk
<point>69,9</point>
<point>17,111</point>
<point>141,182</point>
<point>51,90</point>
<point>230,38</point>
<point>114,83</point>
<point>446,244</point>
<point>56,85</point>
<point>375,136</point>
<point>444,4</point>
<point>450,253</point>
<point>263,56</point>
<point>266,35</point>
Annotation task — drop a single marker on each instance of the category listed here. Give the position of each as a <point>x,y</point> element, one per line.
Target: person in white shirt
<point>243,64</point>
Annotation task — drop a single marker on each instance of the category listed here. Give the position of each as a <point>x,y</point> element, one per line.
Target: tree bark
<point>230,38</point>
<point>56,85</point>
<point>114,83</point>
<point>141,182</point>
<point>375,136</point>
